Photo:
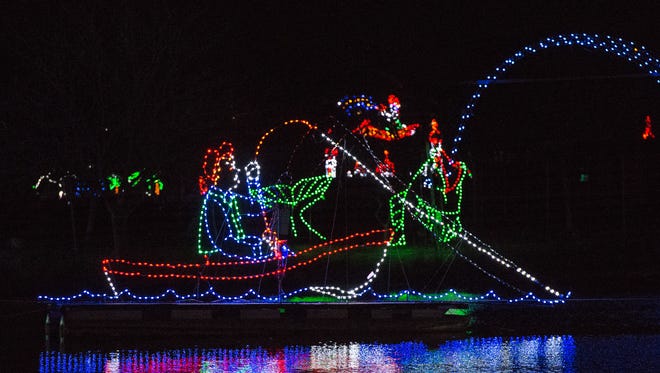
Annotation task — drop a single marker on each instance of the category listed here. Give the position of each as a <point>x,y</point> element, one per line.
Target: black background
<point>170,79</point>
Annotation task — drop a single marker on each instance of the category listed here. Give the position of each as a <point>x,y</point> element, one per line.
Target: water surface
<point>552,353</point>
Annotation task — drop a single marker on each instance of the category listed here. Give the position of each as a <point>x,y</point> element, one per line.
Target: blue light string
<point>252,294</point>
<point>355,103</point>
<point>224,199</point>
<point>618,47</point>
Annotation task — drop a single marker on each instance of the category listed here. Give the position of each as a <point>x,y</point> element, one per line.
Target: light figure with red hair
<point>435,138</point>
<point>391,114</point>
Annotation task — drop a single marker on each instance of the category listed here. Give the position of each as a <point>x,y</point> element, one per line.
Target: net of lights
<point>629,51</point>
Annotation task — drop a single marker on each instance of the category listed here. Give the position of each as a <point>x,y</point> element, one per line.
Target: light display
<point>69,186</point>
<point>629,51</point>
<point>648,131</point>
<point>256,254</point>
<point>394,129</point>
<point>302,258</point>
<point>435,167</point>
<point>331,162</point>
<point>391,114</point>
<point>114,182</point>
<point>259,253</point>
<point>358,170</point>
<point>435,138</point>
<point>135,181</point>
<point>212,295</point>
<point>304,194</point>
<point>357,105</point>
<point>216,162</point>
<point>61,184</point>
<point>386,167</point>
<point>237,223</point>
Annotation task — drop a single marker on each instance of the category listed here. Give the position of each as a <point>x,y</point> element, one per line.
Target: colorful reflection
<point>536,353</point>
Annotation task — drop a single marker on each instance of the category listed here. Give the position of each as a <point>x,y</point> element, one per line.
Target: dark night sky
<point>272,62</point>
<point>168,80</point>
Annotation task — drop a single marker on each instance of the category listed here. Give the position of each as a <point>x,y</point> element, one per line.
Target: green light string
<point>429,215</point>
<point>304,194</point>
<point>114,182</point>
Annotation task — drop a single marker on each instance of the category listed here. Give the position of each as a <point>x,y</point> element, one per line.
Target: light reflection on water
<point>496,354</point>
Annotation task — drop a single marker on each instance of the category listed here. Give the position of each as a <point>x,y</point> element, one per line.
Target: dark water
<point>552,353</point>
<point>23,349</point>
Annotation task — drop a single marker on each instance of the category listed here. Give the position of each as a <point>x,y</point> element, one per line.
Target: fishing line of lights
<point>273,129</point>
<point>618,47</point>
<point>254,188</point>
